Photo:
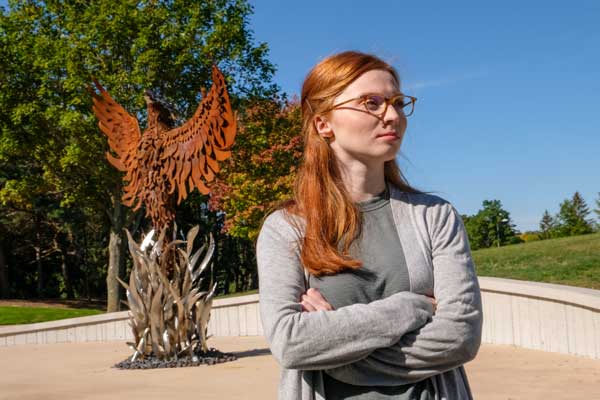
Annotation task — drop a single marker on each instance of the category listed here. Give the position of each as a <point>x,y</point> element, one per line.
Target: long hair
<point>332,221</point>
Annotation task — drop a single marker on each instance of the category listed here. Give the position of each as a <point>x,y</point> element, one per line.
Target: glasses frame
<point>388,101</point>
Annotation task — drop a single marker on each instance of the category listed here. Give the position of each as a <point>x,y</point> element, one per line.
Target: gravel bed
<point>211,357</point>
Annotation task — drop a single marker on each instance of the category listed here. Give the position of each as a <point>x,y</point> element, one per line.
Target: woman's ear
<point>323,126</point>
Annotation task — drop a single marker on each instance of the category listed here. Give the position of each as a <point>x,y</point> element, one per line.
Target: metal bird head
<point>164,111</point>
<point>149,97</point>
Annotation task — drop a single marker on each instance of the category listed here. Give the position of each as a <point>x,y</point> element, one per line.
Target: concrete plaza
<point>77,371</point>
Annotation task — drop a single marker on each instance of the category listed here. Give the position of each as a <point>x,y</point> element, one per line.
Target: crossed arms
<point>397,339</point>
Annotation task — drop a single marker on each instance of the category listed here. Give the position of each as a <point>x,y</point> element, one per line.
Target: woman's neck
<point>363,182</point>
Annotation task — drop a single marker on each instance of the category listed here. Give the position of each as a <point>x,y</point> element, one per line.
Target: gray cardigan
<point>397,336</point>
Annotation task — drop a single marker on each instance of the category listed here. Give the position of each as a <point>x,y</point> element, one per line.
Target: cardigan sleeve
<point>322,339</point>
<point>452,337</point>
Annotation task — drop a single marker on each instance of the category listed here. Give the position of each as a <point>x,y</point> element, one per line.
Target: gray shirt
<point>398,335</point>
<point>384,270</point>
<point>383,273</point>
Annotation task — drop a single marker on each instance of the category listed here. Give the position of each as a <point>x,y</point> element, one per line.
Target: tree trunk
<point>84,266</point>
<point>64,268</point>
<point>116,257</point>
<point>38,258</point>
<point>3,275</point>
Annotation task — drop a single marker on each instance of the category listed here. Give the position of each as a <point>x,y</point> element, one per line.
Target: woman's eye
<point>400,102</point>
<point>372,103</point>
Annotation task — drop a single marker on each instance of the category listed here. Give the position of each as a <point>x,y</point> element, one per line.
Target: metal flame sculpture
<point>168,317</point>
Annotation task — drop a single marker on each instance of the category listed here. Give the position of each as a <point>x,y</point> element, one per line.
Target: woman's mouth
<point>388,135</point>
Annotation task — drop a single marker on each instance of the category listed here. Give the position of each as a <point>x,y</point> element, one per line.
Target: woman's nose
<point>392,116</point>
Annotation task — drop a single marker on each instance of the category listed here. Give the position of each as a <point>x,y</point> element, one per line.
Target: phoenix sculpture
<point>165,158</point>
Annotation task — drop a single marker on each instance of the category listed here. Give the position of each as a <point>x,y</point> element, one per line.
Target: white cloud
<point>444,81</point>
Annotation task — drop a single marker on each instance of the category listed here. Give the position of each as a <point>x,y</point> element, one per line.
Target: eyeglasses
<point>377,104</point>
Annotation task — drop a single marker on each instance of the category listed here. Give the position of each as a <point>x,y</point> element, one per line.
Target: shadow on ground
<point>252,353</point>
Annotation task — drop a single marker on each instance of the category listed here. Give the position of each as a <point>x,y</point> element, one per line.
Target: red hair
<point>332,219</point>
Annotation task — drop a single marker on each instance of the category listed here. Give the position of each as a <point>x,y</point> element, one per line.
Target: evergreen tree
<point>581,208</point>
<point>547,226</point>
<point>566,218</point>
<point>572,217</point>
<point>597,212</point>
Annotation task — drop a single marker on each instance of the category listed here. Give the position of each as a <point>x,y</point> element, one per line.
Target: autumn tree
<point>258,176</point>
<point>261,172</point>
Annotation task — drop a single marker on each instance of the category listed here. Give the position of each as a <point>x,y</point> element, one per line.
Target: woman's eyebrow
<point>396,93</point>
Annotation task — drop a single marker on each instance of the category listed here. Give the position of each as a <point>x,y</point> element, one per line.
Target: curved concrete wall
<point>236,316</point>
<point>541,316</point>
<point>533,315</point>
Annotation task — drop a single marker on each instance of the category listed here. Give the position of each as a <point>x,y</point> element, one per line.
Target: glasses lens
<point>405,105</point>
<point>374,103</point>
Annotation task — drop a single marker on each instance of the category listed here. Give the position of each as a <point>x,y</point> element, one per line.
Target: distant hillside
<point>571,261</point>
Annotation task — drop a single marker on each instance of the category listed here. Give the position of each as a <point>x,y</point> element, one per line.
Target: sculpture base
<point>211,357</point>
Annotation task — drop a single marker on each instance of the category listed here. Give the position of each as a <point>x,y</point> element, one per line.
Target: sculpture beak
<point>148,97</point>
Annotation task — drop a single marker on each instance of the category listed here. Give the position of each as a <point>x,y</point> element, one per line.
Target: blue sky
<point>508,94</point>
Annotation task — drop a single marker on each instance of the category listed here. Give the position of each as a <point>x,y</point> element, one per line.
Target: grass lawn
<point>13,315</point>
<point>573,261</point>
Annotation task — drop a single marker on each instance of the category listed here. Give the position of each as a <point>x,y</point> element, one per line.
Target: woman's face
<point>356,135</point>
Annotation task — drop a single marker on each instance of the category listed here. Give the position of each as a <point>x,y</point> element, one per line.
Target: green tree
<point>49,51</point>
<point>491,226</point>
<point>585,224</point>
<point>4,230</point>
<point>597,212</point>
<point>566,217</point>
<point>547,226</point>
<point>572,217</point>
<point>477,232</point>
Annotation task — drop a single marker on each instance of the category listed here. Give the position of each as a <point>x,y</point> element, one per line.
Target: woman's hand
<point>313,300</point>
<point>434,302</point>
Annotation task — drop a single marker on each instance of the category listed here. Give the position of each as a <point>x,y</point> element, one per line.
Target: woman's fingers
<point>434,302</point>
<point>312,300</point>
<point>309,303</point>
<point>318,300</point>
<point>306,306</point>
<point>314,293</point>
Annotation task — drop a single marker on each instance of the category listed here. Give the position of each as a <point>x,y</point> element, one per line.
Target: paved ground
<point>82,371</point>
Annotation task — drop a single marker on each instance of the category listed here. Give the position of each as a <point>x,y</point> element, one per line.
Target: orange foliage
<point>262,170</point>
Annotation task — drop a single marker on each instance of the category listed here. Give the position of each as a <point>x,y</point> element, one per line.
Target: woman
<point>367,286</point>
